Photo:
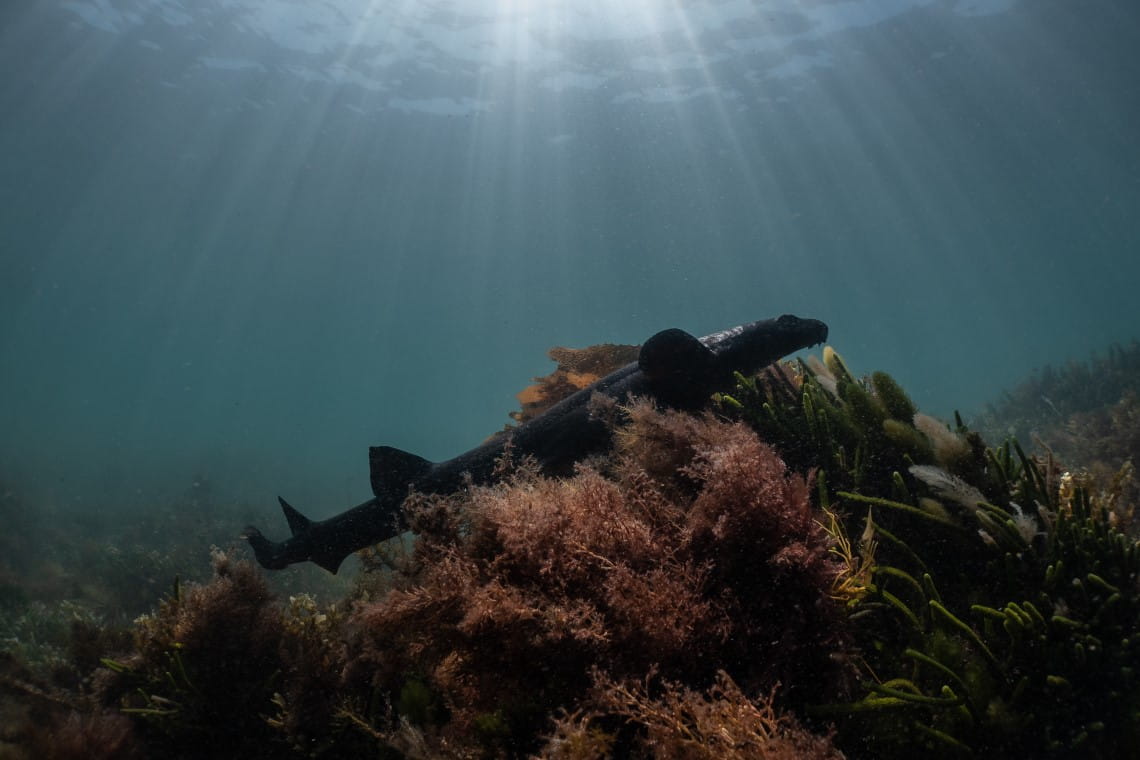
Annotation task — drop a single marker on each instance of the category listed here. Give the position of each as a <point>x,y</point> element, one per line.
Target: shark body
<point>673,367</point>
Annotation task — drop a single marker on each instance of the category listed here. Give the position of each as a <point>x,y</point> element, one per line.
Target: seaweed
<point>993,597</point>
<point>1086,412</point>
<point>814,567</point>
<point>629,567</point>
<point>225,654</point>
<point>577,368</point>
<point>680,723</point>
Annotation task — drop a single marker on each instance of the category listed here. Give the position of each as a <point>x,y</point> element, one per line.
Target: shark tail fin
<point>319,552</point>
<point>393,469</point>
<point>310,542</point>
<point>298,523</point>
<point>268,553</point>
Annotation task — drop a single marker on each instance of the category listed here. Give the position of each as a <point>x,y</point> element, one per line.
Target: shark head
<point>751,347</point>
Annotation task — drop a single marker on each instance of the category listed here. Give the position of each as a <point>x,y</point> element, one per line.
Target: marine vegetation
<point>577,368</point>
<point>692,558</point>
<point>810,568</point>
<point>70,601</point>
<point>1052,394</point>
<point>1087,413</point>
<point>648,605</point>
<point>995,600</point>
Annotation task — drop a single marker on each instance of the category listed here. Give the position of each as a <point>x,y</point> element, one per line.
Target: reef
<point>811,568</point>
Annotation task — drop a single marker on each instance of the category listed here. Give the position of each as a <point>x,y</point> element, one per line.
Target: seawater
<point>244,241</point>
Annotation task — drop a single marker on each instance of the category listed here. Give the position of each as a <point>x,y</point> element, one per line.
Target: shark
<point>674,368</point>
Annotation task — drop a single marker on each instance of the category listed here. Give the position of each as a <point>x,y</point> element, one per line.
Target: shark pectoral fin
<point>328,558</point>
<point>298,523</point>
<point>393,469</point>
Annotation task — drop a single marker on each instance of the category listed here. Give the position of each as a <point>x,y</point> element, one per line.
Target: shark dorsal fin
<point>678,367</point>
<point>393,469</point>
<point>672,353</point>
<point>298,523</point>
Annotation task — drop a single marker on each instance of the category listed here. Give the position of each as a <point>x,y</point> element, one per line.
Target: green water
<point>246,241</point>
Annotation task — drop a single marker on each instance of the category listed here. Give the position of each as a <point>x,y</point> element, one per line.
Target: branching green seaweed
<point>1002,606</point>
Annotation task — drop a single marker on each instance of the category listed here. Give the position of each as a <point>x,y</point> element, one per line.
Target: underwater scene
<point>569,379</point>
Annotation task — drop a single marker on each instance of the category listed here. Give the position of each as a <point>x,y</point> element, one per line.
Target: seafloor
<point>811,568</point>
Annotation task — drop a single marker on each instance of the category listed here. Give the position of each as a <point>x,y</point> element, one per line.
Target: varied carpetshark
<point>673,367</point>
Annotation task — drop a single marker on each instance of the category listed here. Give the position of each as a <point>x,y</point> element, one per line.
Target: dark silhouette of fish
<point>673,367</point>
